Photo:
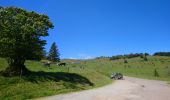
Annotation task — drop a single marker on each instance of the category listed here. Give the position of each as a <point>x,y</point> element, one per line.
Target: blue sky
<point>91,28</point>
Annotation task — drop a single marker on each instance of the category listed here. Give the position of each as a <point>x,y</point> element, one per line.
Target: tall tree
<point>20,37</point>
<point>44,54</point>
<point>53,53</point>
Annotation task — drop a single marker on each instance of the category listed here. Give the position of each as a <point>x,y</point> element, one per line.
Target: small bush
<point>129,66</point>
<point>145,58</point>
<point>156,74</point>
<point>125,61</point>
<point>168,71</point>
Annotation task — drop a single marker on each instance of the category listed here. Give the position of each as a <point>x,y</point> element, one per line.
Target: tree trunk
<point>16,68</point>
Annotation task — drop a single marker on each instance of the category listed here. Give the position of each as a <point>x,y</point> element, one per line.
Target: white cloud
<point>84,56</point>
<point>72,58</point>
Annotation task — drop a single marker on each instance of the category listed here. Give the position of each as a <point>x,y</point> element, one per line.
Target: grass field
<point>81,75</point>
<point>45,82</point>
<point>135,67</point>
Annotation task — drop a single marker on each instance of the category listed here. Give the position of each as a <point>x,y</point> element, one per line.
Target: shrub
<point>168,71</point>
<point>156,74</point>
<point>125,61</point>
<point>145,58</point>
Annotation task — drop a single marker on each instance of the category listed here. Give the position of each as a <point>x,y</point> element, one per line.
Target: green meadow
<point>77,75</point>
<point>44,81</point>
<point>135,67</point>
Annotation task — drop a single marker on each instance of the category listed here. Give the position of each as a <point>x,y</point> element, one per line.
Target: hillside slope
<point>45,81</point>
<point>135,67</point>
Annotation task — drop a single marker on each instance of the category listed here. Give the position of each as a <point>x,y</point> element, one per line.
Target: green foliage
<point>54,54</point>
<point>133,55</point>
<point>44,54</point>
<point>162,54</point>
<point>102,57</point>
<point>168,71</point>
<point>125,61</point>
<point>146,54</point>
<point>145,58</point>
<point>20,35</point>
<point>45,82</point>
<point>116,57</point>
<point>156,74</point>
<point>128,56</point>
<point>135,67</point>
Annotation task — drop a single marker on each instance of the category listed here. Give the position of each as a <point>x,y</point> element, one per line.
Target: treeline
<point>142,55</point>
<point>102,57</point>
<point>126,56</point>
<point>133,55</point>
<point>161,54</point>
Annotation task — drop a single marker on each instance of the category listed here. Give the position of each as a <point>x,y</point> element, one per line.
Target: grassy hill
<point>135,67</point>
<point>77,75</point>
<point>48,81</point>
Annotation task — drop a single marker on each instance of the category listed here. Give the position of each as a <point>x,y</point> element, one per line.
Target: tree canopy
<point>20,34</point>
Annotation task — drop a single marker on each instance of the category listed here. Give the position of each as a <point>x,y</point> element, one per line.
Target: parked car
<point>116,76</point>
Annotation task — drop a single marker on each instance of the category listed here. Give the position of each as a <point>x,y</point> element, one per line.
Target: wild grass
<point>45,81</point>
<point>135,67</point>
<point>82,75</point>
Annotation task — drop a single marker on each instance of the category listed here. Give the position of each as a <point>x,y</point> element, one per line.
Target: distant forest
<point>162,54</point>
<point>133,55</point>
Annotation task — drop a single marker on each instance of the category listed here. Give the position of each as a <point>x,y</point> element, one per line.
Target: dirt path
<point>128,89</point>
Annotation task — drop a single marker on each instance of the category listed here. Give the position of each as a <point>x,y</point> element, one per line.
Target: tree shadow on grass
<point>41,76</point>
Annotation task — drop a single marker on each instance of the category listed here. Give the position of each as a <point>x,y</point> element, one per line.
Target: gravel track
<point>128,89</point>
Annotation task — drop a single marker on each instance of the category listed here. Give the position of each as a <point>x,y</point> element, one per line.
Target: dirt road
<point>128,89</point>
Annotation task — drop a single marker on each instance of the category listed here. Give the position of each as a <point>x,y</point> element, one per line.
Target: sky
<point>85,29</point>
